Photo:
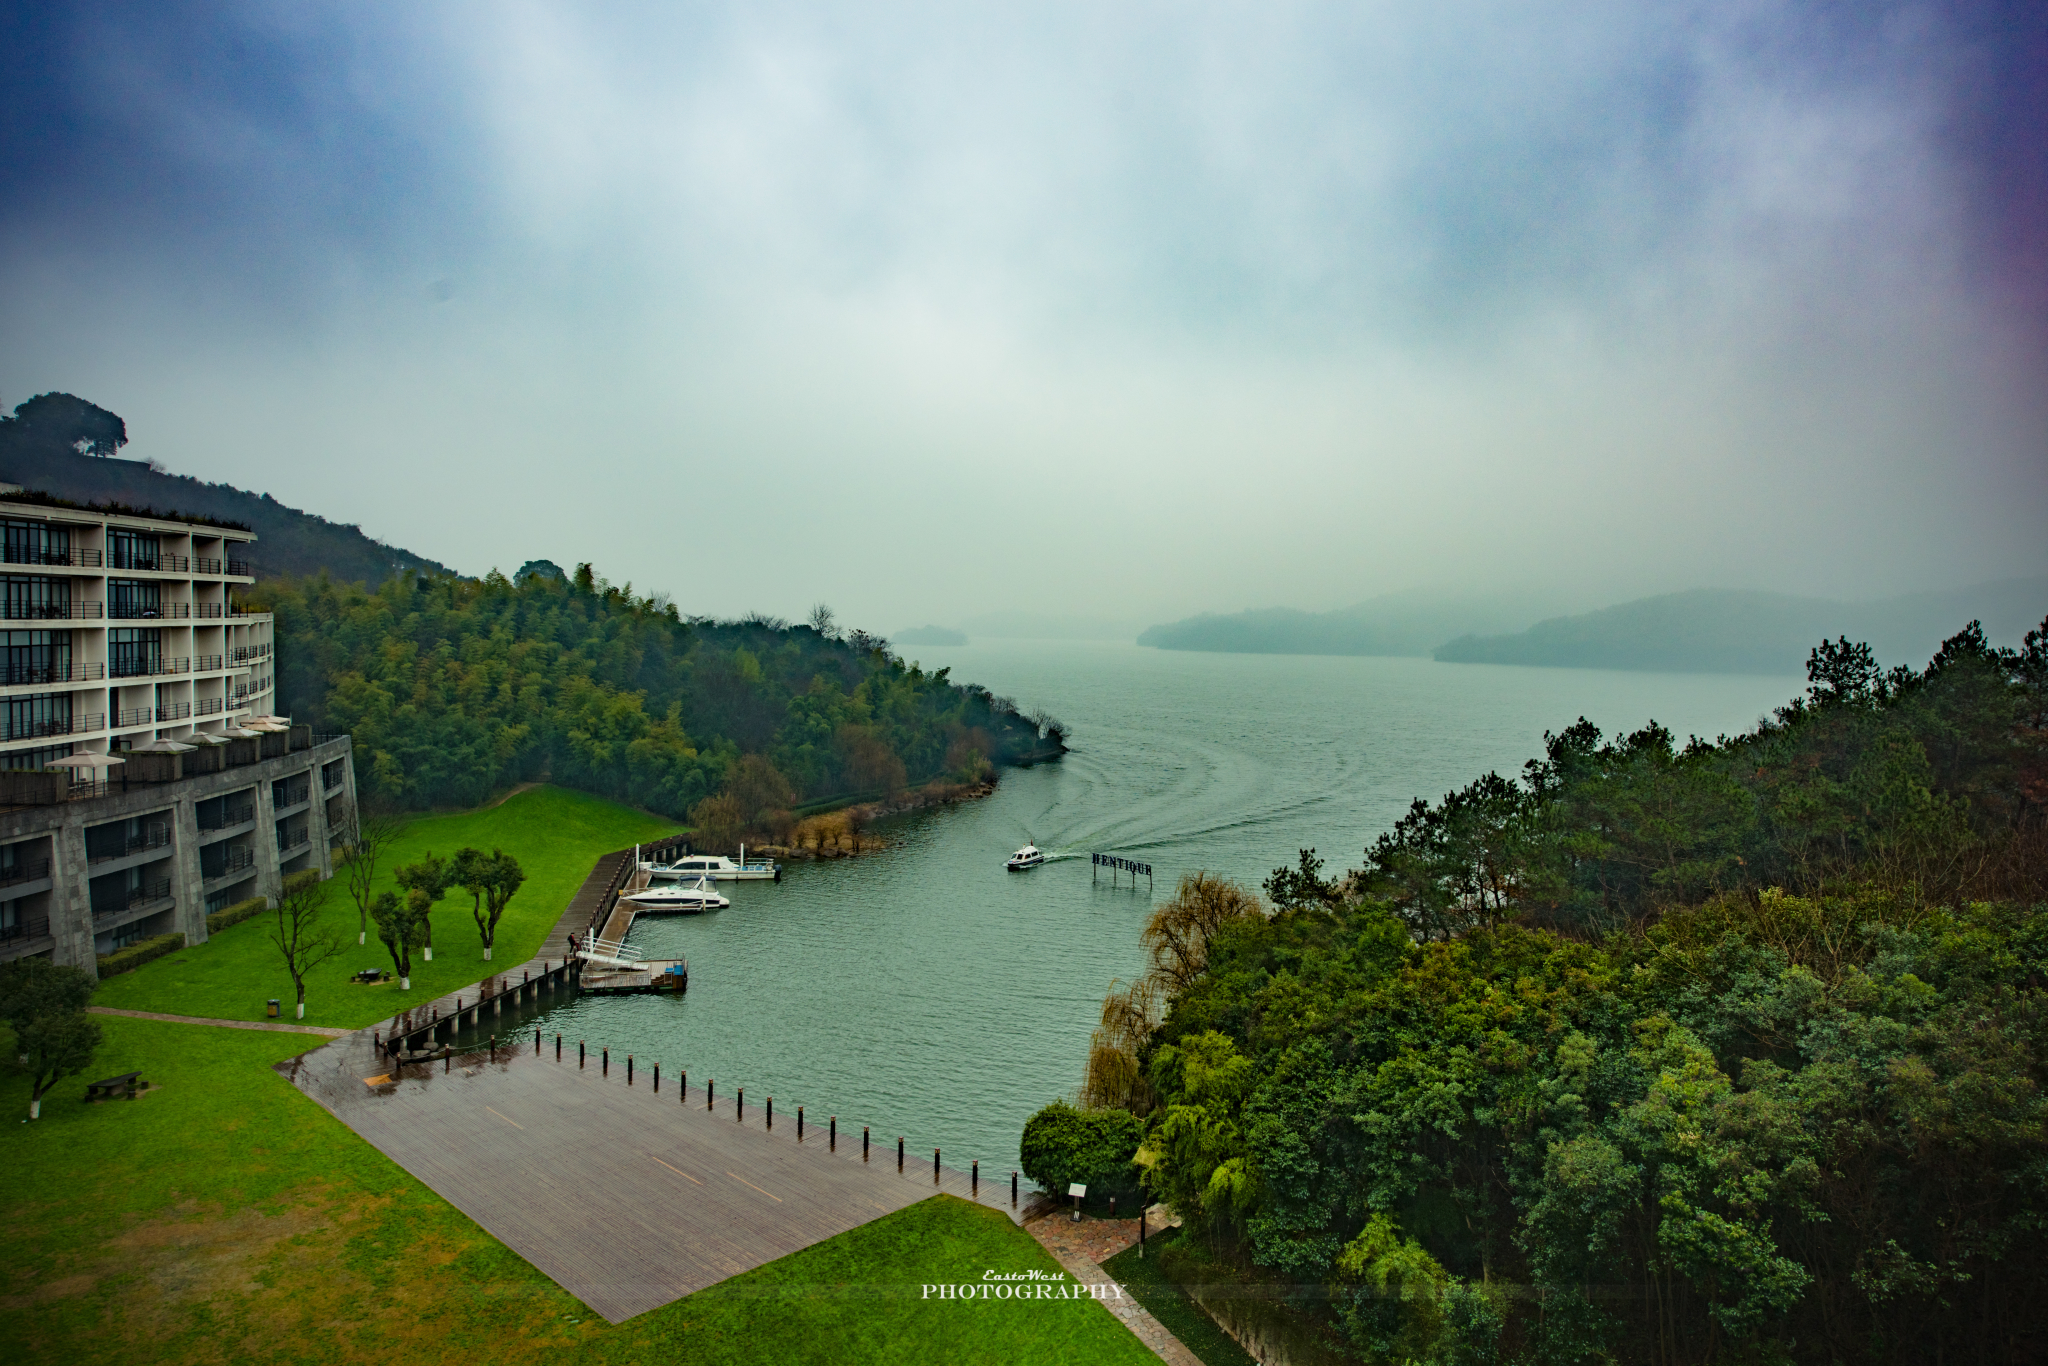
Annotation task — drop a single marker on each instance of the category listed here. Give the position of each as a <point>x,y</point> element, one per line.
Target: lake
<point>924,991</point>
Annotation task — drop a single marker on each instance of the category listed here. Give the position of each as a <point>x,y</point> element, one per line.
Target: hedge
<point>140,952</point>
<point>1062,1144</point>
<point>236,914</point>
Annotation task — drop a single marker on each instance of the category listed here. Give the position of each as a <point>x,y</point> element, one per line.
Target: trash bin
<point>273,1008</point>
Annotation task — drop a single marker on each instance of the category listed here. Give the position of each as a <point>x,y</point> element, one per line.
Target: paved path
<point>281,1028</point>
<point>1079,1247</point>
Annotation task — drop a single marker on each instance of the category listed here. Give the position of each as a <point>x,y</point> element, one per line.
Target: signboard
<point>1078,1191</point>
<point>1127,865</point>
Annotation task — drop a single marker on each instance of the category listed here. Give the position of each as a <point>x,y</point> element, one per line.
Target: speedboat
<point>1030,856</point>
<point>678,898</point>
<point>717,867</point>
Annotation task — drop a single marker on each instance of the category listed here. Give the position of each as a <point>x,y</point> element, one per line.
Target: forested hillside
<point>65,446</point>
<point>1729,1051</point>
<point>454,688</point>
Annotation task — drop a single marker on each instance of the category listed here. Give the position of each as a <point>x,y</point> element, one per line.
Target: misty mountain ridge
<point>1412,622</point>
<point>1710,630</point>
<point>63,446</point>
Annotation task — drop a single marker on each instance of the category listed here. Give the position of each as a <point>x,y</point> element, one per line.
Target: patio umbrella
<point>85,761</point>
<point>164,747</point>
<point>200,737</point>
<point>272,720</point>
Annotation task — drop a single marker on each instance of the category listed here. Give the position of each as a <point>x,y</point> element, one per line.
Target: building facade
<point>122,632</point>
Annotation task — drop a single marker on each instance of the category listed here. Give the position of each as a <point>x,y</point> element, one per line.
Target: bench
<point>128,1083</point>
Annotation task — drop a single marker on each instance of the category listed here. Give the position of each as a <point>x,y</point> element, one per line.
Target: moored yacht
<point>1030,856</point>
<point>717,867</point>
<point>681,898</point>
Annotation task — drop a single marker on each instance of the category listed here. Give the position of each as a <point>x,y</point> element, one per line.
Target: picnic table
<point>128,1083</point>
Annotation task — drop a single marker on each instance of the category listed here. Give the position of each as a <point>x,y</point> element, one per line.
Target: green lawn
<point>224,1217</point>
<point>1145,1279</point>
<point>555,834</point>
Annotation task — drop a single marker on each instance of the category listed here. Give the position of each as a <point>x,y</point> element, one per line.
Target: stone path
<point>1079,1247</point>
<point>280,1028</point>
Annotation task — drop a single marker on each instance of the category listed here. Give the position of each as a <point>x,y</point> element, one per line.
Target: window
<point>34,760</point>
<point>35,656</point>
<point>131,550</point>
<point>35,543</point>
<point>133,598</point>
<point>133,651</point>
<point>37,597</point>
<point>36,715</point>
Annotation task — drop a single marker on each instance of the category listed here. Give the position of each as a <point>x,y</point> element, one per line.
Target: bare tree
<point>365,838</point>
<point>298,933</point>
<point>824,622</point>
<point>1178,935</point>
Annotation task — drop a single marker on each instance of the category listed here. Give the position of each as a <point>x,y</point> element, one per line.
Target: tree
<point>44,1004</point>
<point>298,933</point>
<point>66,421</point>
<point>490,879</point>
<point>401,927</point>
<point>824,623</point>
<point>365,838</point>
<point>1289,888</point>
<point>430,877</point>
<point>1063,1145</point>
<point>716,820</point>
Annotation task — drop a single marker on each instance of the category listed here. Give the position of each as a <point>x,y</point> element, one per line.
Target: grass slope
<point>224,1217</point>
<point>556,835</point>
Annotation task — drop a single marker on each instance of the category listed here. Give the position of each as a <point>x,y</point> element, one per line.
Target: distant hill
<point>931,635</point>
<point>63,446</point>
<point>1407,623</point>
<point>1720,631</point>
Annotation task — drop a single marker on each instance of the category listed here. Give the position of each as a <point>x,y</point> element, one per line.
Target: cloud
<point>1620,295</point>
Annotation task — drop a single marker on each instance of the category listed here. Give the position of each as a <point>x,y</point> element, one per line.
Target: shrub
<point>236,914</point>
<point>140,952</point>
<point>1063,1145</point>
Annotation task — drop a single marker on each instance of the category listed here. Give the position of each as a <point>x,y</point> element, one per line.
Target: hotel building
<point>123,632</point>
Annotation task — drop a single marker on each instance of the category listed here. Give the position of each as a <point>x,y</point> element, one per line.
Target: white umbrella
<point>273,720</point>
<point>200,737</point>
<point>164,747</point>
<point>242,734</point>
<point>86,761</point>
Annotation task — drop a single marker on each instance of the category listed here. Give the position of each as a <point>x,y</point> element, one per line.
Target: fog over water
<point>1112,313</point>
<point>925,991</point>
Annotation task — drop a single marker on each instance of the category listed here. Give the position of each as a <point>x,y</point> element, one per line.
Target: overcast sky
<point>1125,310</point>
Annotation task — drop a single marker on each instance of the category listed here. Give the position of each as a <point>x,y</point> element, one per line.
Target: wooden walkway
<point>626,1196</point>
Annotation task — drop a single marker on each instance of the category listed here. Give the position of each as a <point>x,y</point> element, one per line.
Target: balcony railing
<point>51,611</point>
<point>207,706</point>
<point>134,716</point>
<point>79,723</point>
<point>25,929</point>
<point>232,861</point>
<point>207,663</point>
<point>290,794</point>
<point>176,711</point>
<point>239,569</point>
<point>28,870</point>
<point>77,559</point>
<point>149,668</point>
<point>332,782</point>
<point>15,674</point>
<point>214,610</point>
<point>287,843</point>
<point>149,611</point>
<point>247,654</point>
<point>229,815</point>
<point>141,896</point>
<point>156,837</point>
<point>255,688</point>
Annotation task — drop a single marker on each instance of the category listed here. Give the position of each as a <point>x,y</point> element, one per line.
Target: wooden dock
<point>628,1196</point>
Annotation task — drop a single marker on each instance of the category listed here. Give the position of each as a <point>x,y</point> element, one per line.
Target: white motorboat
<point>717,867</point>
<point>1030,856</point>
<point>678,898</point>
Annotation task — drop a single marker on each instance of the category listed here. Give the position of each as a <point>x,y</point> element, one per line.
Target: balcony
<point>231,862</point>
<point>28,870</point>
<point>23,930</point>
<point>77,724</point>
<point>76,559</point>
<point>176,711</point>
<point>248,654</point>
<point>298,839</point>
<point>202,564</point>
<point>135,900</point>
<point>210,610</point>
<point>148,668</point>
<point>207,706</point>
<point>207,663</point>
<point>239,569</point>
<point>283,795</point>
<point>149,611</point>
<point>134,716</point>
<point>229,815</point>
<point>50,611</point>
<point>14,675</point>
<point>156,837</point>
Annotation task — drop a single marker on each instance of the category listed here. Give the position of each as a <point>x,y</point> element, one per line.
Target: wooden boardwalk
<point>626,1196</point>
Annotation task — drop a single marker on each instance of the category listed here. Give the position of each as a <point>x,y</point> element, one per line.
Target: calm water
<point>925,991</point>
